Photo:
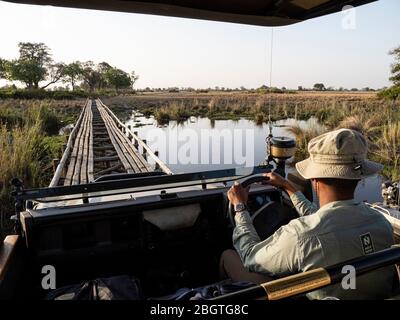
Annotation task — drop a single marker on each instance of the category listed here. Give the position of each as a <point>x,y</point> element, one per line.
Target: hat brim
<point>312,170</point>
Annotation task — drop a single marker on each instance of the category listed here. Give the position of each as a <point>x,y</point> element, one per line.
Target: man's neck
<point>325,198</point>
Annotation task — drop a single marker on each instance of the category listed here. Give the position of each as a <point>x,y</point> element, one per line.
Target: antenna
<point>270,84</point>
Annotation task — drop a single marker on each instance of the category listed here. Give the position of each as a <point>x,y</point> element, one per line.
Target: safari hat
<point>339,154</point>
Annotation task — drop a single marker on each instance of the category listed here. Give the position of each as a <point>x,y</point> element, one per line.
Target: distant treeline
<point>262,89</point>
<point>36,69</point>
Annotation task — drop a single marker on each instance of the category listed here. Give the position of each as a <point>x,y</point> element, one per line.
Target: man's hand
<point>238,194</point>
<point>278,181</point>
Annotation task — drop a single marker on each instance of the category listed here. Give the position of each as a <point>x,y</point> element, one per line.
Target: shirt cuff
<point>242,217</point>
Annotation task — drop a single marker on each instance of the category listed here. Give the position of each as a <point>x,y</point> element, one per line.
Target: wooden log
<point>117,148</point>
<point>136,143</point>
<point>101,159</point>
<point>55,164</point>
<point>162,165</point>
<point>157,166</point>
<point>108,170</point>
<point>74,155</point>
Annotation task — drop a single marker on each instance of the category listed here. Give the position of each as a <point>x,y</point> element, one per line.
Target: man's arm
<point>276,256</point>
<point>301,203</point>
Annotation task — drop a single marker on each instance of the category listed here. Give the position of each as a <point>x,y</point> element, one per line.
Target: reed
<point>303,137</point>
<point>27,146</point>
<point>387,149</point>
<point>20,149</point>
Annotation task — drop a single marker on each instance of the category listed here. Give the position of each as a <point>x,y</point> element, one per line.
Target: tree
<point>118,78</point>
<point>27,71</point>
<point>103,68</point>
<point>37,52</point>
<point>73,72</point>
<point>395,68</point>
<point>134,78</point>
<point>3,68</point>
<point>55,73</point>
<point>91,77</point>
<point>319,87</point>
<point>33,66</point>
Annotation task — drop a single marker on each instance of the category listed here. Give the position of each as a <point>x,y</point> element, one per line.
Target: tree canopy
<point>35,65</point>
<point>319,86</point>
<point>395,68</point>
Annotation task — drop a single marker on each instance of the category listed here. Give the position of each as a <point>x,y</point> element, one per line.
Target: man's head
<point>337,162</point>
<point>339,154</point>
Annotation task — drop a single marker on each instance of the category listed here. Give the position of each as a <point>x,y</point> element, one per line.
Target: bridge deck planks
<point>99,125</point>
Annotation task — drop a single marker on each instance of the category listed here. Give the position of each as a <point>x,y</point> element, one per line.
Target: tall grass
<point>387,149</point>
<point>20,149</point>
<point>303,137</point>
<point>26,149</point>
<point>174,111</point>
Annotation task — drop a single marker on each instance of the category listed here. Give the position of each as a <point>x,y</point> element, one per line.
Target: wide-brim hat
<point>339,154</point>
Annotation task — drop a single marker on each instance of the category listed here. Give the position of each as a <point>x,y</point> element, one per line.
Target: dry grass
<point>387,149</point>
<point>28,141</point>
<point>20,148</point>
<point>303,137</point>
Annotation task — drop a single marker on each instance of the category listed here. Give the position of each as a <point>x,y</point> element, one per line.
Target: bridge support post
<point>136,143</point>
<point>144,150</point>
<point>157,166</point>
<point>55,164</point>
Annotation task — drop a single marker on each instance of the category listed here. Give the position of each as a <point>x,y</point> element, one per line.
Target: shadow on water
<point>200,144</point>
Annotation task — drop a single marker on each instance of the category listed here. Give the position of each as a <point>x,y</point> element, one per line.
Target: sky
<point>347,49</point>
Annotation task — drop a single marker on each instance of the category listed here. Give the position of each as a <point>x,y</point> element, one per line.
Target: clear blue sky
<point>168,51</point>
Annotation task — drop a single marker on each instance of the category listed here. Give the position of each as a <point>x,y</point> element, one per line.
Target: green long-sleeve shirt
<point>336,232</point>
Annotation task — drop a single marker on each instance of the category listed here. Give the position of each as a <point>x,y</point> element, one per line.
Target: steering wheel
<point>245,183</point>
<point>270,217</point>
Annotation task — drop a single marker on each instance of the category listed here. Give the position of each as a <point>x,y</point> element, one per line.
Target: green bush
<point>41,94</point>
<point>392,93</point>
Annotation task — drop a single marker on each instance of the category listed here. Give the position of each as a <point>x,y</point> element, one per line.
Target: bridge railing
<point>70,144</point>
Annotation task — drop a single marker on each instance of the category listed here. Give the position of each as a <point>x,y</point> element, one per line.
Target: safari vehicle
<point>166,230</point>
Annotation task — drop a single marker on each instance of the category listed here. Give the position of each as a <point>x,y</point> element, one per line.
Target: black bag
<point>114,288</point>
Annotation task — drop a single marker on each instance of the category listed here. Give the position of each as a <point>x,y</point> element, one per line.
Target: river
<point>200,144</point>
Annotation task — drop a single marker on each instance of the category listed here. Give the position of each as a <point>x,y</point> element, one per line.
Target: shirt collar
<point>340,203</point>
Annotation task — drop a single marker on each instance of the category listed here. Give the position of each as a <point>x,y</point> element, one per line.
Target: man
<point>341,229</point>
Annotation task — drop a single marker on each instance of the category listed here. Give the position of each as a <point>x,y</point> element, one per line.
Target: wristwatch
<point>239,207</point>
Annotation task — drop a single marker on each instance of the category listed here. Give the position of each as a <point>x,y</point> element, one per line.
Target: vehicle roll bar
<point>315,279</point>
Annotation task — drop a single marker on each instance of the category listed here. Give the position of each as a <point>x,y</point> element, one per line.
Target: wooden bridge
<point>101,144</point>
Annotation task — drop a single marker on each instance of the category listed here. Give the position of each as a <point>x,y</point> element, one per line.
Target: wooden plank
<point>108,170</point>
<point>74,154</point>
<point>156,159</point>
<point>123,144</point>
<point>136,160</point>
<point>109,158</point>
<point>90,159</point>
<point>119,151</point>
<point>68,149</point>
<point>80,154</point>
<point>85,150</point>
<point>139,162</point>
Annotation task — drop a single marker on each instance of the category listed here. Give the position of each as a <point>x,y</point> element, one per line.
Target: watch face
<point>240,207</point>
